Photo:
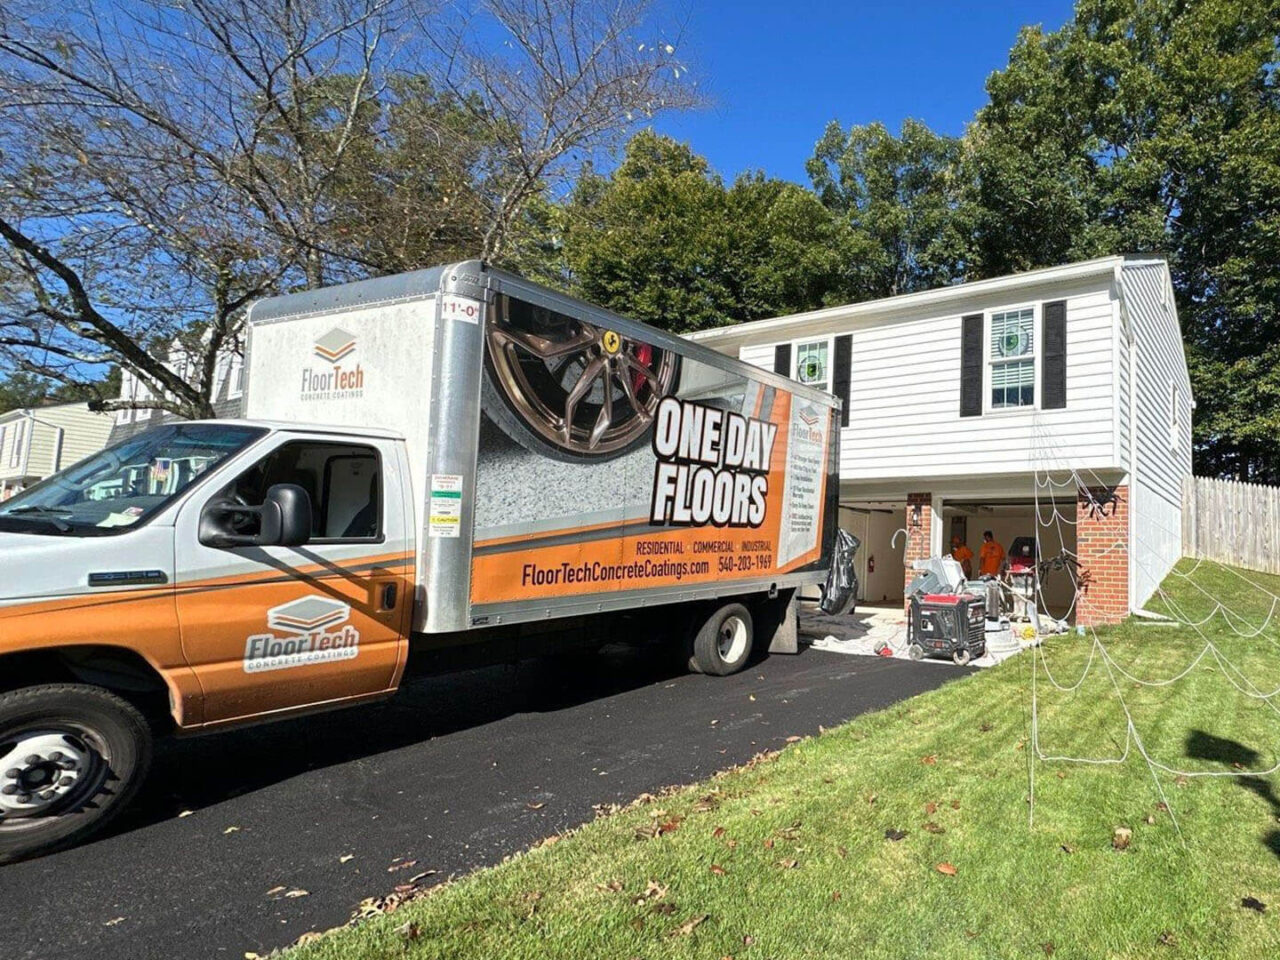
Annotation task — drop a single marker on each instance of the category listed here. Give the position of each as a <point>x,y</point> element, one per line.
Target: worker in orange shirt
<point>990,556</point>
<point>962,555</point>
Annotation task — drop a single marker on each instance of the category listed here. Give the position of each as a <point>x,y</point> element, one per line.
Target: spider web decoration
<point>1053,473</point>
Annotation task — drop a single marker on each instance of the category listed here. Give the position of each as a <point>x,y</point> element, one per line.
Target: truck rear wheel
<point>71,758</point>
<point>724,641</point>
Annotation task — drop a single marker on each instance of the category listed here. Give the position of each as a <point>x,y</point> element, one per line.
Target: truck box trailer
<point>437,467</point>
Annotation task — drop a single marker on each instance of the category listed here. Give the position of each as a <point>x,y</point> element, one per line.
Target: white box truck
<point>447,465</point>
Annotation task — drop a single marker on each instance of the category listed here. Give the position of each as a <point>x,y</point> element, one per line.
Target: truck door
<point>276,628</point>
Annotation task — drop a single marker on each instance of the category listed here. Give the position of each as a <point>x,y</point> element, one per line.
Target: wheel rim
<point>47,769</point>
<point>733,639</point>
<point>583,388</point>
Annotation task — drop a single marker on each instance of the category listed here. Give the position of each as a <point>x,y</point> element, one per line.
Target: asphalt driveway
<point>456,772</point>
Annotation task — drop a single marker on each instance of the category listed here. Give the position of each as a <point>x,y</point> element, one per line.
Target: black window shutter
<point>782,359</point>
<point>971,365</point>
<point>842,374</point>
<point>1053,362</point>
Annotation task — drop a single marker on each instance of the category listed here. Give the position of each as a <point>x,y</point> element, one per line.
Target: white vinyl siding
<point>1161,454</point>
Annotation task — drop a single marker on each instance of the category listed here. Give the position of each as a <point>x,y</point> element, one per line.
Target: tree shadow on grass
<point>1207,746</point>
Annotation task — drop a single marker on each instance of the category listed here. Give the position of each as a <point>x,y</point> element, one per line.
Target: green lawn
<point>788,857</point>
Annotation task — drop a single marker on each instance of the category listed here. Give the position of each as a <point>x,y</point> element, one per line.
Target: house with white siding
<point>38,441</point>
<point>1052,403</point>
<point>228,390</point>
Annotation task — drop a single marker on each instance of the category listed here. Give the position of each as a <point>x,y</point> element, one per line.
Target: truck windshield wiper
<point>53,514</point>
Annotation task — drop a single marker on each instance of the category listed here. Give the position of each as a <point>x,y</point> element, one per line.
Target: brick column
<point>1102,546</point>
<point>919,530</point>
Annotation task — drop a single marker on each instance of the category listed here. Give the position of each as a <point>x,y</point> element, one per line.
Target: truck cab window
<point>343,481</point>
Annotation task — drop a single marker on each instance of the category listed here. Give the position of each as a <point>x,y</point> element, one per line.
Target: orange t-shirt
<point>992,556</point>
<point>961,553</point>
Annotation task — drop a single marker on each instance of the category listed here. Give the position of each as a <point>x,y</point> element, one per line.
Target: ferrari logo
<point>611,341</point>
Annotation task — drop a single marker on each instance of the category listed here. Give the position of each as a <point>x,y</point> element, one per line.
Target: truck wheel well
<point>121,671</point>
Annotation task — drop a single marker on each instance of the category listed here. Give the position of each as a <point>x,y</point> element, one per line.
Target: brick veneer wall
<point>919,536</point>
<point>1102,546</point>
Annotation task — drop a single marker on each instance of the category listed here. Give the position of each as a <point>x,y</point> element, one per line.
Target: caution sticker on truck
<point>445,517</point>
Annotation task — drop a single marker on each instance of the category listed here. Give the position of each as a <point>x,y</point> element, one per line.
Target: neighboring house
<point>228,377</point>
<point>38,441</point>
<point>966,407</point>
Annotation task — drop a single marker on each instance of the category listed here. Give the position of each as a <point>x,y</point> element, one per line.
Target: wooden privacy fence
<point>1237,523</point>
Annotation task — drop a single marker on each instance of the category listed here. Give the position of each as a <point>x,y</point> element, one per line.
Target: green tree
<point>902,200</point>
<point>1153,126</point>
<point>664,240</point>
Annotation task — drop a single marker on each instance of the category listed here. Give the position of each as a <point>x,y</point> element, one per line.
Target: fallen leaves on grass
<point>1048,948</point>
<point>748,940</point>
<point>1253,903</point>
<point>1167,939</point>
<point>895,835</point>
<point>930,760</point>
<point>843,853</point>
<point>718,870</point>
<point>408,930</point>
<point>606,809</point>
<point>717,833</point>
<point>613,886</point>
<point>835,896</point>
<point>1068,848</point>
<point>690,925</point>
<point>931,808</point>
<point>946,869</point>
<point>932,827</point>
<point>788,864</point>
<point>1121,839</point>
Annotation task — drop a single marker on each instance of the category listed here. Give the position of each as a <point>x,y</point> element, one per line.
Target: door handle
<point>388,596</point>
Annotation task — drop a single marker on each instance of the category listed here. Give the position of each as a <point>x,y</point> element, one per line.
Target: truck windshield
<point>125,484</point>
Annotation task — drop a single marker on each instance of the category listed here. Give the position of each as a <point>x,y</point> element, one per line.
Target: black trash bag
<point>840,592</point>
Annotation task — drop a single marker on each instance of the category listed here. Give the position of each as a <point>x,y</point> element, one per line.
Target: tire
<point>724,641</point>
<point>961,656</point>
<point>915,651</point>
<point>80,733</point>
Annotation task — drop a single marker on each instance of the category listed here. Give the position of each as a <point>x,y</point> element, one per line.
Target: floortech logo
<point>306,631</point>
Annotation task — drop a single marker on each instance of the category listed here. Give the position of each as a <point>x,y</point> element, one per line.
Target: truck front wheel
<point>724,641</point>
<point>71,757</point>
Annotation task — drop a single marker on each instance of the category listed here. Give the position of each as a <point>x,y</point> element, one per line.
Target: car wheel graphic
<point>568,389</point>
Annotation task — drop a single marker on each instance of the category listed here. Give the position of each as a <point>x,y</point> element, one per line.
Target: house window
<point>1013,359</point>
<point>15,452</point>
<point>128,387</point>
<point>235,388</point>
<point>813,363</point>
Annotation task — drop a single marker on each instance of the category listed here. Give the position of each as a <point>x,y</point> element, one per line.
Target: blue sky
<point>777,72</point>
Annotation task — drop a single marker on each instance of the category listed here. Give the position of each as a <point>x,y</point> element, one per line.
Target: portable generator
<point>947,625</point>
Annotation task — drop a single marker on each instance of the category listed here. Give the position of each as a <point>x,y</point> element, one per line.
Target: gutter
<point>812,321</point>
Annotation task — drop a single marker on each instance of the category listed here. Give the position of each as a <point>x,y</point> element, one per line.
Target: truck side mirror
<point>284,520</point>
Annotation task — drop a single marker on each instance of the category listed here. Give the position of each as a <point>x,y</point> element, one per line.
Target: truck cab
<point>210,573</point>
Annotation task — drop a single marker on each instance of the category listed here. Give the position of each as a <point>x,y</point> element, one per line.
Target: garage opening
<point>881,572</point>
<point>1011,518</point>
